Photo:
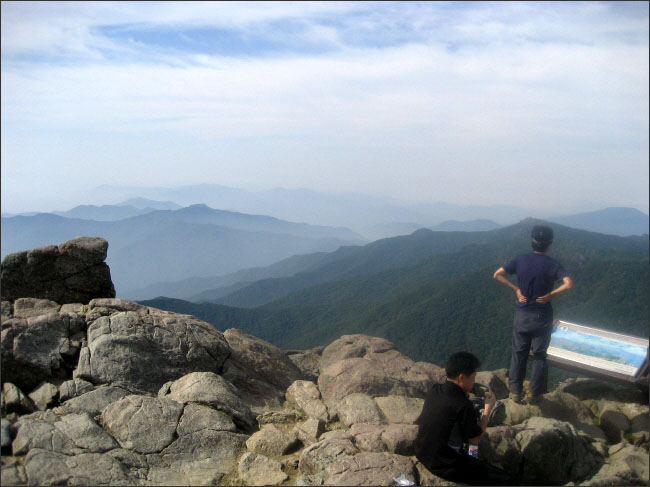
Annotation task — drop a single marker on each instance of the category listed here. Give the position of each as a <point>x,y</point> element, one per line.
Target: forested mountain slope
<point>449,300</point>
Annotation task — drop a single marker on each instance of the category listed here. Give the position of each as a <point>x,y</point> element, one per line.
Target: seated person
<point>449,421</point>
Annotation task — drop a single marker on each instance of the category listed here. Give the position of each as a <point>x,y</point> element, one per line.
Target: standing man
<point>536,275</point>
<point>448,422</point>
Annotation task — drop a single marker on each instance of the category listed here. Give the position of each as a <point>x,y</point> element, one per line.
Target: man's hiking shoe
<point>533,400</point>
<point>515,397</point>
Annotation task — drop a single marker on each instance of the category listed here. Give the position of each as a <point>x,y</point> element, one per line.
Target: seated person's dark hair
<point>542,237</point>
<point>461,363</point>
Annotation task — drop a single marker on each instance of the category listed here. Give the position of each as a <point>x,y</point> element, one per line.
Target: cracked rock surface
<point>133,395</point>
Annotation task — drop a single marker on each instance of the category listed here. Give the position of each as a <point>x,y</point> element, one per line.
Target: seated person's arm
<point>490,400</point>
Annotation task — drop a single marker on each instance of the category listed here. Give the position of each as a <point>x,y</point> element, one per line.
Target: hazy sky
<point>538,105</point>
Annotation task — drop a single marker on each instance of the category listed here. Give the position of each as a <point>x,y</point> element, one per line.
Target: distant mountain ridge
<point>125,209</point>
<point>103,213</point>
<point>361,213</point>
<point>166,245</point>
<point>615,221</point>
<point>145,203</point>
<point>466,226</point>
<point>372,216</point>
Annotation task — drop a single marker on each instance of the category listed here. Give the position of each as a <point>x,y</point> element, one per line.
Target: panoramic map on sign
<point>600,349</point>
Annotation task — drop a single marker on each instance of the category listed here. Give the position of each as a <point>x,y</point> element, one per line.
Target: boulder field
<point>110,392</point>
<point>115,393</point>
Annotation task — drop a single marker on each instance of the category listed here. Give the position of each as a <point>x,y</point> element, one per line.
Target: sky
<point>537,105</point>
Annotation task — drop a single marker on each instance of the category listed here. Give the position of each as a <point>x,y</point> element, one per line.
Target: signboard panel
<point>606,353</point>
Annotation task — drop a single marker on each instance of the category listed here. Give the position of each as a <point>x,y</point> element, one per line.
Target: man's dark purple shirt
<point>536,276</point>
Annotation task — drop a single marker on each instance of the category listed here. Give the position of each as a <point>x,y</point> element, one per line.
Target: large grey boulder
<point>28,307</point>
<point>141,423</point>
<point>198,417</point>
<point>92,402</point>
<point>13,474</point>
<point>271,442</point>
<point>613,421</point>
<point>368,365</point>
<point>37,349</point>
<point>638,414</point>
<point>14,401</point>
<point>624,420</point>
<point>44,396</point>
<point>436,373</point>
<point>259,370</point>
<point>554,453</point>
<point>353,346</point>
<point>305,396</point>
<point>46,467</point>
<point>626,465</point>
<point>367,437</point>
<point>142,350</point>
<point>565,407</point>
<point>393,438</point>
<point>359,408</point>
<point>255,469</point>
<point>543,451</point>
<point>307,361</point>
<point>204,449</point>
<point>73,388</point>
<point>310,430</point>
<point>213,390</point>
<point>370,469</point>
<point>400,438</point>
<point>499,447</point>
<point>73,272</point>
<point>518,413</point>
<point>285,416</point>
<point>400,409</point>
<point>199,455</point>
<point>594,389</point>
<point>332,448</point>
<point>71,434</point>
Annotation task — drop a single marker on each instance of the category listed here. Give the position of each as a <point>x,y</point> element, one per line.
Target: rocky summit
<point>110,392</point>
<point>73,272</point>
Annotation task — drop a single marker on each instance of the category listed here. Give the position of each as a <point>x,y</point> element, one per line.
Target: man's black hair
<point>461,363</point>
<point>541,238</point>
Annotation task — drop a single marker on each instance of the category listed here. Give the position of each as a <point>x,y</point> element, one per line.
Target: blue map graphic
<point>599,347</point>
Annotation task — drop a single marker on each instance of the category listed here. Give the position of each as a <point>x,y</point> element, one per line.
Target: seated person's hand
<point>490,400</point>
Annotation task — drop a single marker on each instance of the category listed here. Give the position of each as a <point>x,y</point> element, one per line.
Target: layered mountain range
<point>195,241</point>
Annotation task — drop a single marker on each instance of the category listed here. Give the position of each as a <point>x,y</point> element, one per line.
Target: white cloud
<point>451,92</point>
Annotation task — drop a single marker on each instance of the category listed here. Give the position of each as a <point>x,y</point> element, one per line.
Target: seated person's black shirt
<point>448,416</point>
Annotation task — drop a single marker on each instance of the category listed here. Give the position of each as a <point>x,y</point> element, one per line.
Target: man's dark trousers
<point>473,471</point>
<point>531,331</point>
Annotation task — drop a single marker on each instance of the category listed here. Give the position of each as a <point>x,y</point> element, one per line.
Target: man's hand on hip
<point>520,297</point>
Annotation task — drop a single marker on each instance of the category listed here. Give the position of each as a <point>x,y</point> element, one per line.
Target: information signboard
<point>599,352</point>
